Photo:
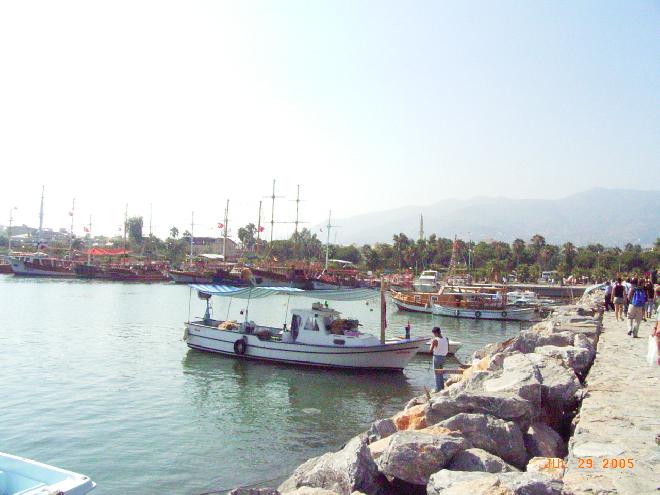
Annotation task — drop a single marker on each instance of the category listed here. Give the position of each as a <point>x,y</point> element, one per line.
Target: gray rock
<point>542,441</point>
<point>576,358</point>
<point>473,483</point>
<point>528,340</point>
<point>350,469</point>
<point>582,341</point>
<point>382,428</point>
<point>499,437</point>
<point>414,456</point>
<point>446,482</point>
<point>254,491</point>
<point>504,405</point>
<point>479,460</point>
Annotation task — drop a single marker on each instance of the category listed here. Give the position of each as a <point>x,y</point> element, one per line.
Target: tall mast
<point>421,227</point>
<point>151,213</point>
<point>125,228</point>
<point>41,219</point>
<point>11,220</point>
<point>258,228</point>
<point>89,242</point>
<point>224,240</point>
<point>272,214</point>
<point>192,230</point>
<point>73,209</point>
<point>327,242</point>
<point>295,241</point>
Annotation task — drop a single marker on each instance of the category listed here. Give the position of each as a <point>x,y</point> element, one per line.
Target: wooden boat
<point>422,302</point>
<point>316,336</point>
<point>41,265</point>
<point>482,305</point>
<point>138,273</point>
<point>5,267</point>
<point>21,476</point>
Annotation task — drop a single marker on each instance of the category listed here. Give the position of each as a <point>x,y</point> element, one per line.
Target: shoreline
<point>517,421</point>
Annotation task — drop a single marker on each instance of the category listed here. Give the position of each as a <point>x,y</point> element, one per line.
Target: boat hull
<point>5,268</point>
<point>525,314</point>
<point>26,269</point>
<point>180,277</point>
<point>390,356</point>
<point>413,308</point>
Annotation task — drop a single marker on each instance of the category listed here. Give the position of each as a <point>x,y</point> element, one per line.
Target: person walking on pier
<point>608,296</point>
<point>439,349</point>
<point>650,298</point>
<point>637,298</point>
<point>619,295</point>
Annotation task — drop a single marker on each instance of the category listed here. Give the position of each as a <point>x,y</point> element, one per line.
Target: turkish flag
<point>261,229</point>
<point>221,225</point>
<point>86,230</point>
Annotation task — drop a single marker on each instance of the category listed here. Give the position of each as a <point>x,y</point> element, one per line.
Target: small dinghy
<point>21,476</point>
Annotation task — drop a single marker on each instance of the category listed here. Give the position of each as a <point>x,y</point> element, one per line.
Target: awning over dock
<point>258,292</point>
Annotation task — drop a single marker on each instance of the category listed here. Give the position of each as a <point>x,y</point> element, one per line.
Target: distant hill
<point>612,217</point>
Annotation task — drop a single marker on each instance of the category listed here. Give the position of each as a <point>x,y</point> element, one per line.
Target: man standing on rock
<point>439,349</point>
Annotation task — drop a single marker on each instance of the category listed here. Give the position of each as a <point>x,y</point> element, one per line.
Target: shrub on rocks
<point>499,437</point>
<point>413,456</point>
<point>542,441</point>
<point>350,469</point>
<point>479,460</point>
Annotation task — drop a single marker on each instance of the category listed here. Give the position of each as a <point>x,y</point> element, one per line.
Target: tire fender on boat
<point>477,314</point>
<point>504,314</point>
<point>239,346</point>
<point>456,313</point>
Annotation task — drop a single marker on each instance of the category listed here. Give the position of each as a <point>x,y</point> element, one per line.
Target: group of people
<point>635,299</point>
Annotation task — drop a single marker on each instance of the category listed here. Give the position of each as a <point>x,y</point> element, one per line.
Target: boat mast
<point>192,230</point>
<point>327,242</point>
<point>272,215</point>
<point>73,209</point>
<point>125,228</point>
<point>295,242</point>
<point>11,220</point>
<point>41,219</point>
<point>224,240</point>
<point>258,228</point>
<point>89,242</point>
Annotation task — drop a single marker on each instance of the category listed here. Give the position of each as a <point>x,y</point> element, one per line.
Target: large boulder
<point>382,428</point>
<point>504,405</point>
<point>582,341</point>
<point>479,460</point>
<point>553,467</point>
<point>578,359</point>
<point>499,437</point>
<point>447,482</point>
<point>542,441</point>
<point>414,456</point>
<point>350,469</point>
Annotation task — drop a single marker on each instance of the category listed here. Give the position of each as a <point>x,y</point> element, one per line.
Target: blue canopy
<point>258,292</point>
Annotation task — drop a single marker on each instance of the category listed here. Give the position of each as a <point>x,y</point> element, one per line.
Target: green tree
<point>247,236</point>
<point>174,232</point>
<point>134,226</point>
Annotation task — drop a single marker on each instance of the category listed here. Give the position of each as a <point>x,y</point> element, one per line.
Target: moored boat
<point>500,313</point>
<point>5,267</point>
<point>22,476</point>
<point>316,336</point>
<point>41,265</point>
<point>428,281</point>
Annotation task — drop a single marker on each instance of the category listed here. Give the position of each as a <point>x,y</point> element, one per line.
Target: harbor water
<point>95,378</point>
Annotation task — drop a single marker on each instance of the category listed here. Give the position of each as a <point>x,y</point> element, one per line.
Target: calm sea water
<point>94,377</point>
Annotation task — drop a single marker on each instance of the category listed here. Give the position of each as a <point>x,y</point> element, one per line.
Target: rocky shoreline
<point>503,427</point>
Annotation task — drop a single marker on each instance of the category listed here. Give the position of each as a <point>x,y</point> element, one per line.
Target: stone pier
<point>614,447</point>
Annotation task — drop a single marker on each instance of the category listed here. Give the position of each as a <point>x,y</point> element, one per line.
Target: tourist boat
<point>482,305</point>
<point>5,267</point>
<point>526,298</point>
<point>21,476</point>
<point>41,265</point>
<point>428,281</point>
<point>422,302</point>
<point>314,336</point>
<point>191,276</point>
<point>137,273</point>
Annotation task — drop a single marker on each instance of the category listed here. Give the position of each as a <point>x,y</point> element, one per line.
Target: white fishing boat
<point>21,476</point>
<point>425,346</point>
<point>316,335</point>
<point>483,313</point>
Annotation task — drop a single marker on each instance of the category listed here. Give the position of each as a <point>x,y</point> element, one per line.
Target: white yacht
<point>428,281</point>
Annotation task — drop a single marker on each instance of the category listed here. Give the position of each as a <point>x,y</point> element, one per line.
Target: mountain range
<point>612,217</point>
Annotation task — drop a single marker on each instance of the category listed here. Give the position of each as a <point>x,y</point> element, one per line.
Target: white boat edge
<point>507,314</point>
<point>69,482</point>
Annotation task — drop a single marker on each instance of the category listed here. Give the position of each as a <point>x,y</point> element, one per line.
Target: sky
<point>367,105</point>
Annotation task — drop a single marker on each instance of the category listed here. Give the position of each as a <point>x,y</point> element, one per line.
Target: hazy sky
<point>366,104</point>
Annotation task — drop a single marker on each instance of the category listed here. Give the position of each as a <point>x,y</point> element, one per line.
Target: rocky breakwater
<point>500,428</point>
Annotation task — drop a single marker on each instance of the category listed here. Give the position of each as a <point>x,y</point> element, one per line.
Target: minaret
<point>421,227</point>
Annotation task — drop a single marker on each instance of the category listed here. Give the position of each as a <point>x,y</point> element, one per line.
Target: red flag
<point>86,230</point>
<point>261,229</point>
<point>221,225</point>
<point>70,213</point>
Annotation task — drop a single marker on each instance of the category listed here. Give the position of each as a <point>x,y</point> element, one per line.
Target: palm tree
<point>174,232</point>
<point>518,247</point>
<point>569,252</point>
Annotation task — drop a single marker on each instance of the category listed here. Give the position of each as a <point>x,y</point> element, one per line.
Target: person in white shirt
<point>439,349</point>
